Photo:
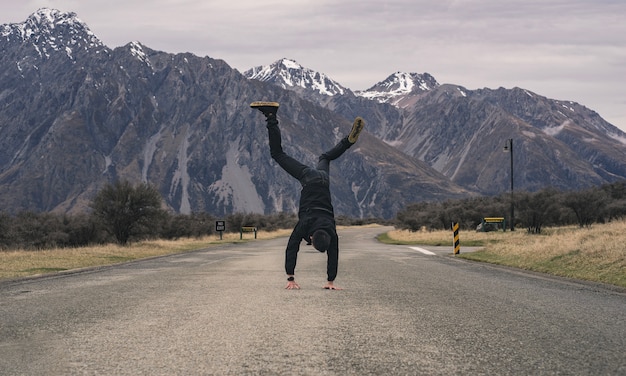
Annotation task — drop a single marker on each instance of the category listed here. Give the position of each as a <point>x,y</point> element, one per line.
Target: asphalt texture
<point>224,311</point>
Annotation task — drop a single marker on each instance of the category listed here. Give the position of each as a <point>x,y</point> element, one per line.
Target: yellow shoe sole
<point>264,104</point>
<point>357,127</point>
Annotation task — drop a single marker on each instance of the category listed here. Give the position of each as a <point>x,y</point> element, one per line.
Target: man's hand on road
<point>331,286</point>
<point>292,285</point>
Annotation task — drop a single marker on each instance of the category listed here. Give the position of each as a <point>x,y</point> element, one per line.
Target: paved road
<point>224,312</point>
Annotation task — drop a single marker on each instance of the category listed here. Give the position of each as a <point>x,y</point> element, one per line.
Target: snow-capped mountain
<point>290,75</point>
<point>399,87</point>
<point>458,132</point>
<point>51,31</point>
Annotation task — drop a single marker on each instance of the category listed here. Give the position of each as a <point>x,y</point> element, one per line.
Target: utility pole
<point>508,147</point>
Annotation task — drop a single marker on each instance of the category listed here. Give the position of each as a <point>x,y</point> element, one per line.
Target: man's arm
<point>291,253</point>
<point>333,260</point>
<point>331,267</point>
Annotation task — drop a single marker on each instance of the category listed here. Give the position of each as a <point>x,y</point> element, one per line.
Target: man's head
<point>320,240</point>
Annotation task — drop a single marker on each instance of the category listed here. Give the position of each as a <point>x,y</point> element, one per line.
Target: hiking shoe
<point>267,108</point>
<point>357,127</point>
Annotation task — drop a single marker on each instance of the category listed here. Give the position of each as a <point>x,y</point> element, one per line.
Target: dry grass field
<point>594,254</point>
<point>20,263</point>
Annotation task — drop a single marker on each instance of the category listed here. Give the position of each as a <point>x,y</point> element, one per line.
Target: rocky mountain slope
<point>75,115</point>
<point>461,133</point>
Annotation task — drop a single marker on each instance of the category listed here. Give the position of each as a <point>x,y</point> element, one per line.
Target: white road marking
<point>424,251</point>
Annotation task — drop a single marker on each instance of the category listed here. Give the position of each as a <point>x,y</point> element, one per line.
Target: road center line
<point>424,251</point>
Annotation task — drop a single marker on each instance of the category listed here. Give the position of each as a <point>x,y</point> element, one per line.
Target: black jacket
<point>316,213</point>
<point>306,226</point>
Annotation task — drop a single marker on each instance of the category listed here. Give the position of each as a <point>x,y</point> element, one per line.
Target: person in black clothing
<point>316,218</point>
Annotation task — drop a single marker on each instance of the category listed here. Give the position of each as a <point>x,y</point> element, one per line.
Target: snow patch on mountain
<point>553,131</point>
<point>136,49</point>
<point>621,138</point>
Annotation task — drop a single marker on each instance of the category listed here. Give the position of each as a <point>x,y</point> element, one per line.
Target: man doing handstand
<point>316,218</point>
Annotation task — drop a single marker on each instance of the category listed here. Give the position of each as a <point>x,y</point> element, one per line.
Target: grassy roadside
<point>20,263</point>
<point>595,254</point>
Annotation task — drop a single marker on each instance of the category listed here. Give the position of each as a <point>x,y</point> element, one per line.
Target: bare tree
<point>128,211</point>
<point>589,205</point>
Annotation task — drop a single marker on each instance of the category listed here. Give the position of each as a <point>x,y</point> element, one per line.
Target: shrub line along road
<point>224,311</point>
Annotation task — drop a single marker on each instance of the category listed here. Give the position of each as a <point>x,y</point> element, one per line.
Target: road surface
<point>224,311</point>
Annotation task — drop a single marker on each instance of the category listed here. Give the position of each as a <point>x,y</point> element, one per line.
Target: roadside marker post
<point>220,226</point>
<point>456,242</point>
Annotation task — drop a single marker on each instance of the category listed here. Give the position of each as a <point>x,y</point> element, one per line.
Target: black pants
<point>303,173</point>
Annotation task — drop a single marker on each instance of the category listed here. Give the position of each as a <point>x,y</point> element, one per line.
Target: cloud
<point>562,49</point>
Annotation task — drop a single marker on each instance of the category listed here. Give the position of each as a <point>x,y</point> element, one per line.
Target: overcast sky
<point>562,49</point>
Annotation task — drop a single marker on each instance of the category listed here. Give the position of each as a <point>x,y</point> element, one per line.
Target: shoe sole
<point>264,104</point>
<point>357,127</point>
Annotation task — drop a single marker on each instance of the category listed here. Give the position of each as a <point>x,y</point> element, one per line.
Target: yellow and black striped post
<point>456,242</point>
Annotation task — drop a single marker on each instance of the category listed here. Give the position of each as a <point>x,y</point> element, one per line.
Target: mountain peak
<point>52,30</point>
<point>288,74</point>
<point>49,16</point>
<point>290,64</point>
<point>398,86</point>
